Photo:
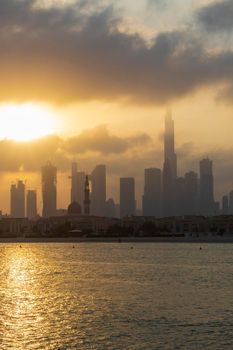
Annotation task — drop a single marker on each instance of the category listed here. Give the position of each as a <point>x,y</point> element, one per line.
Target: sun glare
<point>26,122</point>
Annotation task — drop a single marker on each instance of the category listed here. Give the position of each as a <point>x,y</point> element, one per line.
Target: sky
<point>91,81</point>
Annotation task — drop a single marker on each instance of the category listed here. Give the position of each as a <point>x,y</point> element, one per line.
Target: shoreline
<point>117,240</point>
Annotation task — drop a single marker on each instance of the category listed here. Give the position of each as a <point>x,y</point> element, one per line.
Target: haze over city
<point>93,80</point>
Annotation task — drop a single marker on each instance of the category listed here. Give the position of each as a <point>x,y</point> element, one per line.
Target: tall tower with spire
<point>169,145</point>
<point>169,168</point>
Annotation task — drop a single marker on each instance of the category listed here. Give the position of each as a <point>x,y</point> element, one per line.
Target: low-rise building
<point>14,226</point>
<point>79,223</point>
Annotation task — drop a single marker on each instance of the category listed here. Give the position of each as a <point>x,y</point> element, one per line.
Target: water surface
<point>109,296</point>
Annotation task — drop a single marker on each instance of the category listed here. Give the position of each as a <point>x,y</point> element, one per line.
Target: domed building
<point>74,209</point>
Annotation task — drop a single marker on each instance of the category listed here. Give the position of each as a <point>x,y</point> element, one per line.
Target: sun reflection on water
<point>33,308</point>
<point>24,309</point>
<point>19,292</point>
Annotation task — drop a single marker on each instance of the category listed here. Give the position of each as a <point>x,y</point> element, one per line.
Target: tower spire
<point>170,166</point>
<point>169,144</point>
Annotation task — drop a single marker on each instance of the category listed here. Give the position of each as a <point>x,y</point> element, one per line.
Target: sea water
<point>116,296</point>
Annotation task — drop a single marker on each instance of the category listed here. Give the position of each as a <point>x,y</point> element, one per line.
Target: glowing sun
<point>26,122</point>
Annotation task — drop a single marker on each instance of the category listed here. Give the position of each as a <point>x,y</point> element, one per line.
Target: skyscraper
<point>81,178</point>
<point>31,204</point>
<point>206,188</point>
<point>168,190</point>
<point>179,197</point>
<point>18,200</point>
<point>169,145</point>
<point>225,205</point>
<point>77,185</point>
<point>74,183</point>
<point>231,203</point>
<point>110,208</point>
<point>14,200</point>
<point>49,190</point>
<point>127,196</point>
<point>169,168</point>
<point>98,190</point>
<point>151,202</point>
<point>191,193</point>
<point>87,201</point>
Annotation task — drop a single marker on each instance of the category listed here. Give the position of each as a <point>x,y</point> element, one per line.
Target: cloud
<point>32,155</point>
<point>77,52</point>
<point>97,140</point>
<point>225,94</point>
<point>158,3</point>
<point>100,140</point>
<point>29,155</point>
<point>185,150</point>
<point>217,16</point>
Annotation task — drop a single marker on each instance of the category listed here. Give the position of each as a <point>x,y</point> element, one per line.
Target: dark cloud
<point>76,52</point>
<point>217,16</point>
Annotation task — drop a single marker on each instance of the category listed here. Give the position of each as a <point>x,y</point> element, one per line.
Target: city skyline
<point>106,105</point>
<point>145,153</point>
<point>136,170</point>
<point>166,192</point>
